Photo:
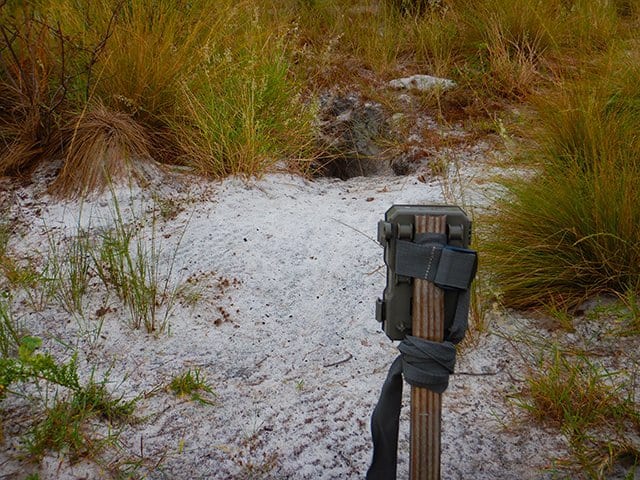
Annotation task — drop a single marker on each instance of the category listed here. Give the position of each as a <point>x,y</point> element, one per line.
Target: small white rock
<point>421,83</point>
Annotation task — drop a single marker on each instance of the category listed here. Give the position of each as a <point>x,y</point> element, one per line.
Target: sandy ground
<point>284,331</point>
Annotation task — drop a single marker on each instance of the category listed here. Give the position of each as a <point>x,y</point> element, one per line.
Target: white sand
<point>298,366</point>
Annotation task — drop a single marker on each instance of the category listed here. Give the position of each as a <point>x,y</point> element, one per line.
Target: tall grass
<point>30,89</point>
<point>120,82</point>
<point>436,41</point>
<point>572,231</point>
<point>245,114</point>
<point>220,86</point>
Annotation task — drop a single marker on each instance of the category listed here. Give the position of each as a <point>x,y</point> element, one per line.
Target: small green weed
<point>192,383</point>
<point>9,330</point>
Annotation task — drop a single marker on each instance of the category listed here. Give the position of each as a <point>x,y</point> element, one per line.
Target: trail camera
<point>441,258</point>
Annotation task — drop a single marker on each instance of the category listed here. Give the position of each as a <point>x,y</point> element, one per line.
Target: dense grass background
<point>108,83</point>
<point>229,88</point>
<point>99,88</point>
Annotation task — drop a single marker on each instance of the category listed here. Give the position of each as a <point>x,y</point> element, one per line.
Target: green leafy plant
<point>30,365</point>
<point>68,423</point>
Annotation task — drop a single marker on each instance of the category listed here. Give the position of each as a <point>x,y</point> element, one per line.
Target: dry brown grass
<point>27,100</point>
<point>21,146</point>
<point>101,146</point>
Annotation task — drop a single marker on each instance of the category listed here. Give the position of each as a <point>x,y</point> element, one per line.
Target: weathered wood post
<point>426,406</point>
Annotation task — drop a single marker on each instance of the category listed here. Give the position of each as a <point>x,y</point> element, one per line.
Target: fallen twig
<point>340,362</point>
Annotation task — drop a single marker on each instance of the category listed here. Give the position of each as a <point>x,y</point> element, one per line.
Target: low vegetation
<point>573,387</point>
<point>101,88</point>
<point>82,419</point>
<point>69,408</point>
<point>194,385</point>
<point>129,259</point>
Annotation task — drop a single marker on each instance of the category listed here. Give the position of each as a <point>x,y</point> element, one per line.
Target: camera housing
<point>394,308</point>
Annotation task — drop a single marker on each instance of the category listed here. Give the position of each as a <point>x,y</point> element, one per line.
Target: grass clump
<point>154,47</point>
<point>572,231</point>
<point>102,146</point>
<point>69,271</point>
<point>9,330</point>
<point>126,255</point>
<point>595,409</point>
<point>132,265</point>
<point>244,111</point>
<point>192,383</point>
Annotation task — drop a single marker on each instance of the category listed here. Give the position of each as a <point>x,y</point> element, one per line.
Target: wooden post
<point>426,406</point>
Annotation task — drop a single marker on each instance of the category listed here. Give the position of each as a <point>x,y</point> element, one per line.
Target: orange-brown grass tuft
<point>20,146</point>
<point>27,99</point>
<point>101,146</point>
